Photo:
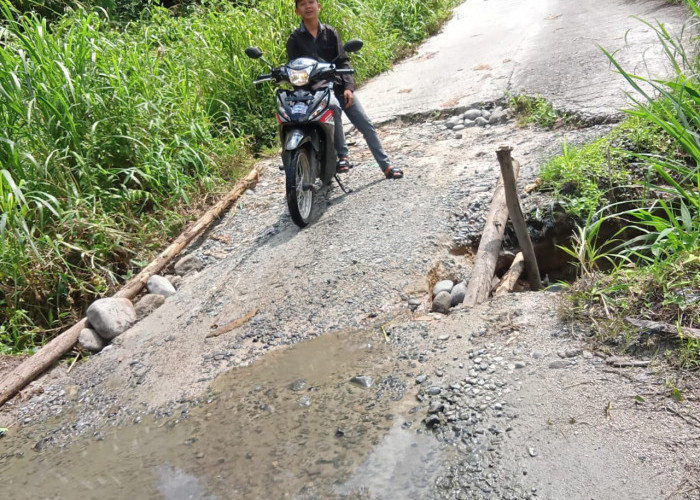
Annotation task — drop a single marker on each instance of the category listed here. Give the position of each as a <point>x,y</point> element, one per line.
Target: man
<point>322,42</point>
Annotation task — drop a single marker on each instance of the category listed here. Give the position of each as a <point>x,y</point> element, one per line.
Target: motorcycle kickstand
<point>345,190</point>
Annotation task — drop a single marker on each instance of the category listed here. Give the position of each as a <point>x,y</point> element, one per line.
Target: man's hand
<point>349,98</point>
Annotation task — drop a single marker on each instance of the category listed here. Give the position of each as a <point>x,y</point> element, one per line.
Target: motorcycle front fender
<point>297,137</point>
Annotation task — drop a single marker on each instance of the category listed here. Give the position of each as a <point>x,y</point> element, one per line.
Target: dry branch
<point>489,246</point>
<point>51,352</point>
<point>233,324</point>
<point>664,328</point>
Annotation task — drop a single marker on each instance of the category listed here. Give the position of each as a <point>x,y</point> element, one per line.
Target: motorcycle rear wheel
<point>299,182</point>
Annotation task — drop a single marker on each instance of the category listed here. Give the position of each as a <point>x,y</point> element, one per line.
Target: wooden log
<point>40,361</point>
<point>664,328</point>
<point>510,278</point>
<point>516,217</point>
<point>490,245</point>
<point>51,352</point>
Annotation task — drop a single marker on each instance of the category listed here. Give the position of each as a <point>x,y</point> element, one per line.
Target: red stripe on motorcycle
<point>279,120</point>
<point>327,116</point>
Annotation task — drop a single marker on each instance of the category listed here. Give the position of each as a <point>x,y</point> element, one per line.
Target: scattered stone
<point>90,340</point>
<point>298,385</point>
<point>363,381</point>
<point>459,291</point>
<point>531,451</point>
<point>189,263</point>
<point>442,303</point>
<point>537,355</point>
<point>160,285</point>
<point>519,365</point>
<point>498,115</point>
<point>443,338</point>
<point>434,390</point>
<point>573,353</point>
<point>442,286</point>
<point>559,364</point>
<point>111,316</point>
<point>472,114</point>
<point>421,378</point>
<point>431,421</point>
<point>148,303</point>
<point>481,121</point>
<point>450,124</point>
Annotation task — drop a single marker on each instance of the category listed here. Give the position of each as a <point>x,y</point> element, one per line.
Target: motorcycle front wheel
<point>299,182</point>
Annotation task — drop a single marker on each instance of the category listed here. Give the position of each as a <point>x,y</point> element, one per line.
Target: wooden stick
<point>665,328</point>
<point>516,217</point>
<point>489,246</point>
<point>233,324</point>
<point>51,352</point>
<point>626,363</point>
<point>509,279</point>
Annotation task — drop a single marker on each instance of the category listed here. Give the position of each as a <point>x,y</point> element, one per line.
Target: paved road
<point>547,47</point>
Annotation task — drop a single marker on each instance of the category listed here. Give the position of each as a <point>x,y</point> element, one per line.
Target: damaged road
<point>342,383</point>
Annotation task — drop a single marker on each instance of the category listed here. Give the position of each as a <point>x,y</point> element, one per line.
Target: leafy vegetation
<point>533,111</point>
<point>113,135</point>
<point>653,158</point>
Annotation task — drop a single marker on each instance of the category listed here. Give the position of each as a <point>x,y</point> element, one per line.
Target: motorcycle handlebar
<point>342,71</point>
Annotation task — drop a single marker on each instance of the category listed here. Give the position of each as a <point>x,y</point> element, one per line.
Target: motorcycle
<point>306,126</point>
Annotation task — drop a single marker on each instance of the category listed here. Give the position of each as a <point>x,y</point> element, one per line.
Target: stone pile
<point>111,316</point>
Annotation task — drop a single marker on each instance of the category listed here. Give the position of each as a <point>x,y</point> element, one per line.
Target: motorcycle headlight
<point>298,77</point>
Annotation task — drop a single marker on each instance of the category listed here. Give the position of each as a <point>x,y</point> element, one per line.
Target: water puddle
<point>328,418</point>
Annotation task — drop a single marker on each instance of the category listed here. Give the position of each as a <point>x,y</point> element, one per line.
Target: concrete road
<point>544,47</point>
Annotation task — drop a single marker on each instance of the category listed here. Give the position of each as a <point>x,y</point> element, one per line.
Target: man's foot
<point>393,173</point>
<point>343,166</point>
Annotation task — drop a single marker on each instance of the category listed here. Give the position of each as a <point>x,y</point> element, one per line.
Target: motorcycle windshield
<point>302,63</point>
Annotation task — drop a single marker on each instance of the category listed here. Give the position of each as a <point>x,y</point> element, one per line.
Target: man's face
<point>308,9</point>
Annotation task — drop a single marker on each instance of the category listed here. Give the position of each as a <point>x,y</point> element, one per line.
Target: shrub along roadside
<point>111,140</point>
<point>643,177</point>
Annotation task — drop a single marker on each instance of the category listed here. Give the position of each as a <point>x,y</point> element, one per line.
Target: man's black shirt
<point>325,47</point>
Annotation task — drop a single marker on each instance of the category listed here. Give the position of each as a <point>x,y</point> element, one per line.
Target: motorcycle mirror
<point>253,52</point>
<point>353,45</point>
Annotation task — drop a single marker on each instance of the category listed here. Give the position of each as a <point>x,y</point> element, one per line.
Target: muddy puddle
<point>328,418</point>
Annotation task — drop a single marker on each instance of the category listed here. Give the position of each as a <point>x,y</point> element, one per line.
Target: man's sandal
<point>342,166</point>
<point>393,173</point>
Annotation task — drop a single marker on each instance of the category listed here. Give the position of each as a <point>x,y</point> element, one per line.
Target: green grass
<point>114,134</point>
<point>608,170</point>
<point>533,111</point>
<point>643,177</point>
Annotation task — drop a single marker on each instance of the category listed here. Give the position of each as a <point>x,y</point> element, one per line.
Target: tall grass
<point>660,279</point>
<point>107,136</point>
